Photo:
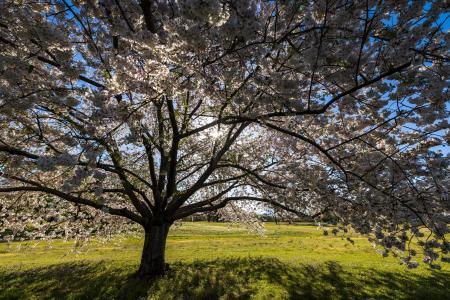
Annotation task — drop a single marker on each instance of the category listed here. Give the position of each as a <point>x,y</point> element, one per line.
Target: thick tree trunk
<point>153,253</point>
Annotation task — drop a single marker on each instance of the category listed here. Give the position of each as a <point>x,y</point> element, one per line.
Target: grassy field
<point>218,261</point>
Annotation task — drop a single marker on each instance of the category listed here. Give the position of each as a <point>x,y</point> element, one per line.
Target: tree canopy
<point>149,111</point>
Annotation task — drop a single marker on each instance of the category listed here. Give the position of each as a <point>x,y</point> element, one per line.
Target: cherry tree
<point>145,112</point>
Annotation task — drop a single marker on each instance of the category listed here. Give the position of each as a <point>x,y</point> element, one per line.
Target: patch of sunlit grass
<point>216,260</point>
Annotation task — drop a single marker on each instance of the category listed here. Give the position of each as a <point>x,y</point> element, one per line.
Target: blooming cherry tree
<point>117,112</point>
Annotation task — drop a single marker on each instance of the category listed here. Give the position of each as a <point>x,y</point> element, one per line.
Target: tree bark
<point>153,253</point>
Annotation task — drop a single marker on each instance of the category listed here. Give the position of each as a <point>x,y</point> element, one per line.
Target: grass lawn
<point>218,261</point>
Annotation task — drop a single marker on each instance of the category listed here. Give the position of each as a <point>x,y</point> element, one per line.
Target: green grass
<point>218,261</point>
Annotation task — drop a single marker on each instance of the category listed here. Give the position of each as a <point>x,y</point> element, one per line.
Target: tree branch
<point>77,200</point>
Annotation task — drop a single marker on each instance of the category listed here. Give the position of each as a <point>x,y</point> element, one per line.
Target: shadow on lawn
<point>256,278</point>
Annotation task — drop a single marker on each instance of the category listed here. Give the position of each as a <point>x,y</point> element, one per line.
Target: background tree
<point>156,110</point>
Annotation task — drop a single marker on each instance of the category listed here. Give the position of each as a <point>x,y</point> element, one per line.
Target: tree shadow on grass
<point>71,281</point>
<point>245,278</point>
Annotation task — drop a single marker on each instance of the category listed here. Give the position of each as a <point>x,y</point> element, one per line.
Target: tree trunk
<point>153,253</point>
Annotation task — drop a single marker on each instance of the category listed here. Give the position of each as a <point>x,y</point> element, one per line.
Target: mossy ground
<point>218,261</point>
